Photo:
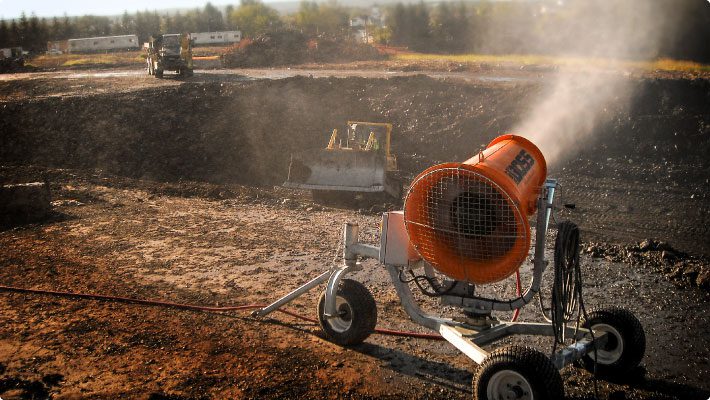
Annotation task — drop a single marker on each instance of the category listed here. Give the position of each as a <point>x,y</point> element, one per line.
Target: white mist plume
<point>571,110</point>
<point>577,102</point>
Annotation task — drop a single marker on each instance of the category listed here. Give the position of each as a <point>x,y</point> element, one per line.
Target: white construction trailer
<point>103,43</point>
<point>207,38</point>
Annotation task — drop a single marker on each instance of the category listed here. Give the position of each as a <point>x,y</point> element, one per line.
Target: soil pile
<point>278,48</point>
<point>332,50</point>
<point>679,267</point>
<point>292,47</point>
<point>244,132</point>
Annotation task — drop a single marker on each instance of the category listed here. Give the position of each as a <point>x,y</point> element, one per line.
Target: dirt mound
<point>244,132</point>
<point>293,47</point>
<point>679,267</point>
<point>278,48</point>
<point>331,50</point>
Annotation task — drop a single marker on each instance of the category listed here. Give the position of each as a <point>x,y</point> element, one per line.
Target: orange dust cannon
<point>468,221</point>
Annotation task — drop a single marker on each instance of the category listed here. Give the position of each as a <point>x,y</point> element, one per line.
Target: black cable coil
<point>567,303</point>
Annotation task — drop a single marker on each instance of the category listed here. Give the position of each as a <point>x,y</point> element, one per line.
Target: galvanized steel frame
<point>467,338</point>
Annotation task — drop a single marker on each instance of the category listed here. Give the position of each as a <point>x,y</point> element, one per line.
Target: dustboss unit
<point>466,225</point>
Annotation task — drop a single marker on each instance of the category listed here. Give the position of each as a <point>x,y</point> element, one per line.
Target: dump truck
<point>170,52</point>
<point>355,165</point>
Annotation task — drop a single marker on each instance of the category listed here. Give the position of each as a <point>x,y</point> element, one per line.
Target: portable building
<point>225,37</point>
<point>87,45</point>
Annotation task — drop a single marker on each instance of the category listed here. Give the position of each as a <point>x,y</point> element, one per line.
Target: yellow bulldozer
<point>356,165</point>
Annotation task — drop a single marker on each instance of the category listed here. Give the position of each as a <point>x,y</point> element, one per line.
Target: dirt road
<point>64,83</point>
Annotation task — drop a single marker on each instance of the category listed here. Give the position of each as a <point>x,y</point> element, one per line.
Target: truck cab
<point>170,52</point>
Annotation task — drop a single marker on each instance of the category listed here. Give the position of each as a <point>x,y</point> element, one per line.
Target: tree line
<point>252,17</point>
<point>605,28</point>
<point>542,27</point>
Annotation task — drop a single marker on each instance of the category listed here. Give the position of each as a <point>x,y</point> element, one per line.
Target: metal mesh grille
<point>465,225</point>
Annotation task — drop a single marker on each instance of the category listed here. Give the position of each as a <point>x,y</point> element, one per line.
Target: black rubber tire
<point>359,309</point>
<point>158,73</point>
<point>190,72</point>
<point>632,336</point>
<point>541,375</point>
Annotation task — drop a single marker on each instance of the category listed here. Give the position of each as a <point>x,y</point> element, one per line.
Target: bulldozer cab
<point>365,136</point>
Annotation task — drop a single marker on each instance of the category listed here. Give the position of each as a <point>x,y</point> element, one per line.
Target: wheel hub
<point>614,347</point>
<point>344,320</point>
<point>509,385</point>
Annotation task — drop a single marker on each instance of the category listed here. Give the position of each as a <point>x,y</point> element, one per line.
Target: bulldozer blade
<point>340,170</point>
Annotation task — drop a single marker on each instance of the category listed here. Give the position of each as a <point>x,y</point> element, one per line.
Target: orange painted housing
<point>469,220</point>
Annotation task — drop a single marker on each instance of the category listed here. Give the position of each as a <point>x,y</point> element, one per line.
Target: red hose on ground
<point>518,292</point>
<point>192,307</point>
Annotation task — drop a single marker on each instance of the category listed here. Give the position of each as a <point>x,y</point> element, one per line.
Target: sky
<point>49,8</point>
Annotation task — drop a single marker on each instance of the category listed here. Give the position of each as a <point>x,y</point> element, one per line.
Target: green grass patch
<point>667,64</point>
<point>75,60</point>
<point>85,61</point>
<point>663,64</point>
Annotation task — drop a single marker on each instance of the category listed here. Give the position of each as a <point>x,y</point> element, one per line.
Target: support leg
<point>289,297</point>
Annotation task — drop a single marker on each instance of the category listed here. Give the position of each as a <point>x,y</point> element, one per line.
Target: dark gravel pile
<point>681,268</point>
